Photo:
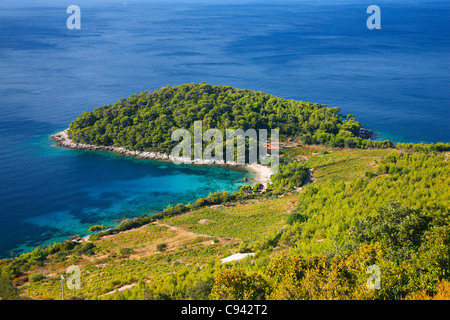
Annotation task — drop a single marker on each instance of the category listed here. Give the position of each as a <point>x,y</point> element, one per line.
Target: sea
<point>394,80</point>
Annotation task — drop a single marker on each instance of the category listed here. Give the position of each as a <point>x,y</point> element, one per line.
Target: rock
<point>365,133</point>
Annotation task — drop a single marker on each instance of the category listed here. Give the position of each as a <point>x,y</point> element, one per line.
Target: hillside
<point>306,244</point>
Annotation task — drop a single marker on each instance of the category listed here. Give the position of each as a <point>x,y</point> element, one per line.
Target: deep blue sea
<point>395,81</point>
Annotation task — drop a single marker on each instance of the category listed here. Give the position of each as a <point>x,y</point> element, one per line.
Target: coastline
<point>262,173</point>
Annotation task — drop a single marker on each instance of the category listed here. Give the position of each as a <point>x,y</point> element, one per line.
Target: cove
<point>69,190</point>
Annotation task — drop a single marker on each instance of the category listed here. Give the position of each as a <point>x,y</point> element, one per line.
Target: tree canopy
<point>146,121</point>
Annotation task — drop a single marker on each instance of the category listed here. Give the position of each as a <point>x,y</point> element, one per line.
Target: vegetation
<point>7,290</point>
<point>235,284</point>
<point>326,217</point>
<point>161,247</point>
<point>418,181</point>
<point>398,228</point>
<point>125,251</point>
<point>56,253</point>
<point>421,147</point>
<point>96,228</point>
<point>36,277</point>
<point>248,222</point>
<point>289,176</point>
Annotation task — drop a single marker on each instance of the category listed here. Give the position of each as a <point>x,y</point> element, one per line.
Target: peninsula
<point>141,126</point>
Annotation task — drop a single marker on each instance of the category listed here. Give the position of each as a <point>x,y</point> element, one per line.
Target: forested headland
<point>146,121</point>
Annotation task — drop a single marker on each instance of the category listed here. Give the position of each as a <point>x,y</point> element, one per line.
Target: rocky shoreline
<point>263,173</point>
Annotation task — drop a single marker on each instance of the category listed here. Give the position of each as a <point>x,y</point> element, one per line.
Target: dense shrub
<point>296,216</point>
<point>161,247</point>
<point>35,277</point>
<point>127,224</point>
<point>398,228</point>
<point>86,249</point>
<point>125,251</point>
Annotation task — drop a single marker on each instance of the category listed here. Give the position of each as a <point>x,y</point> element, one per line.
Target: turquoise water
<point>63,192</point>
<point>394,80</point>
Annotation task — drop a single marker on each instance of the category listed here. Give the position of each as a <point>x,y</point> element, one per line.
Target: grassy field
<point>248,222</point>
<point>331,164</point>
<point>344,165</point>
